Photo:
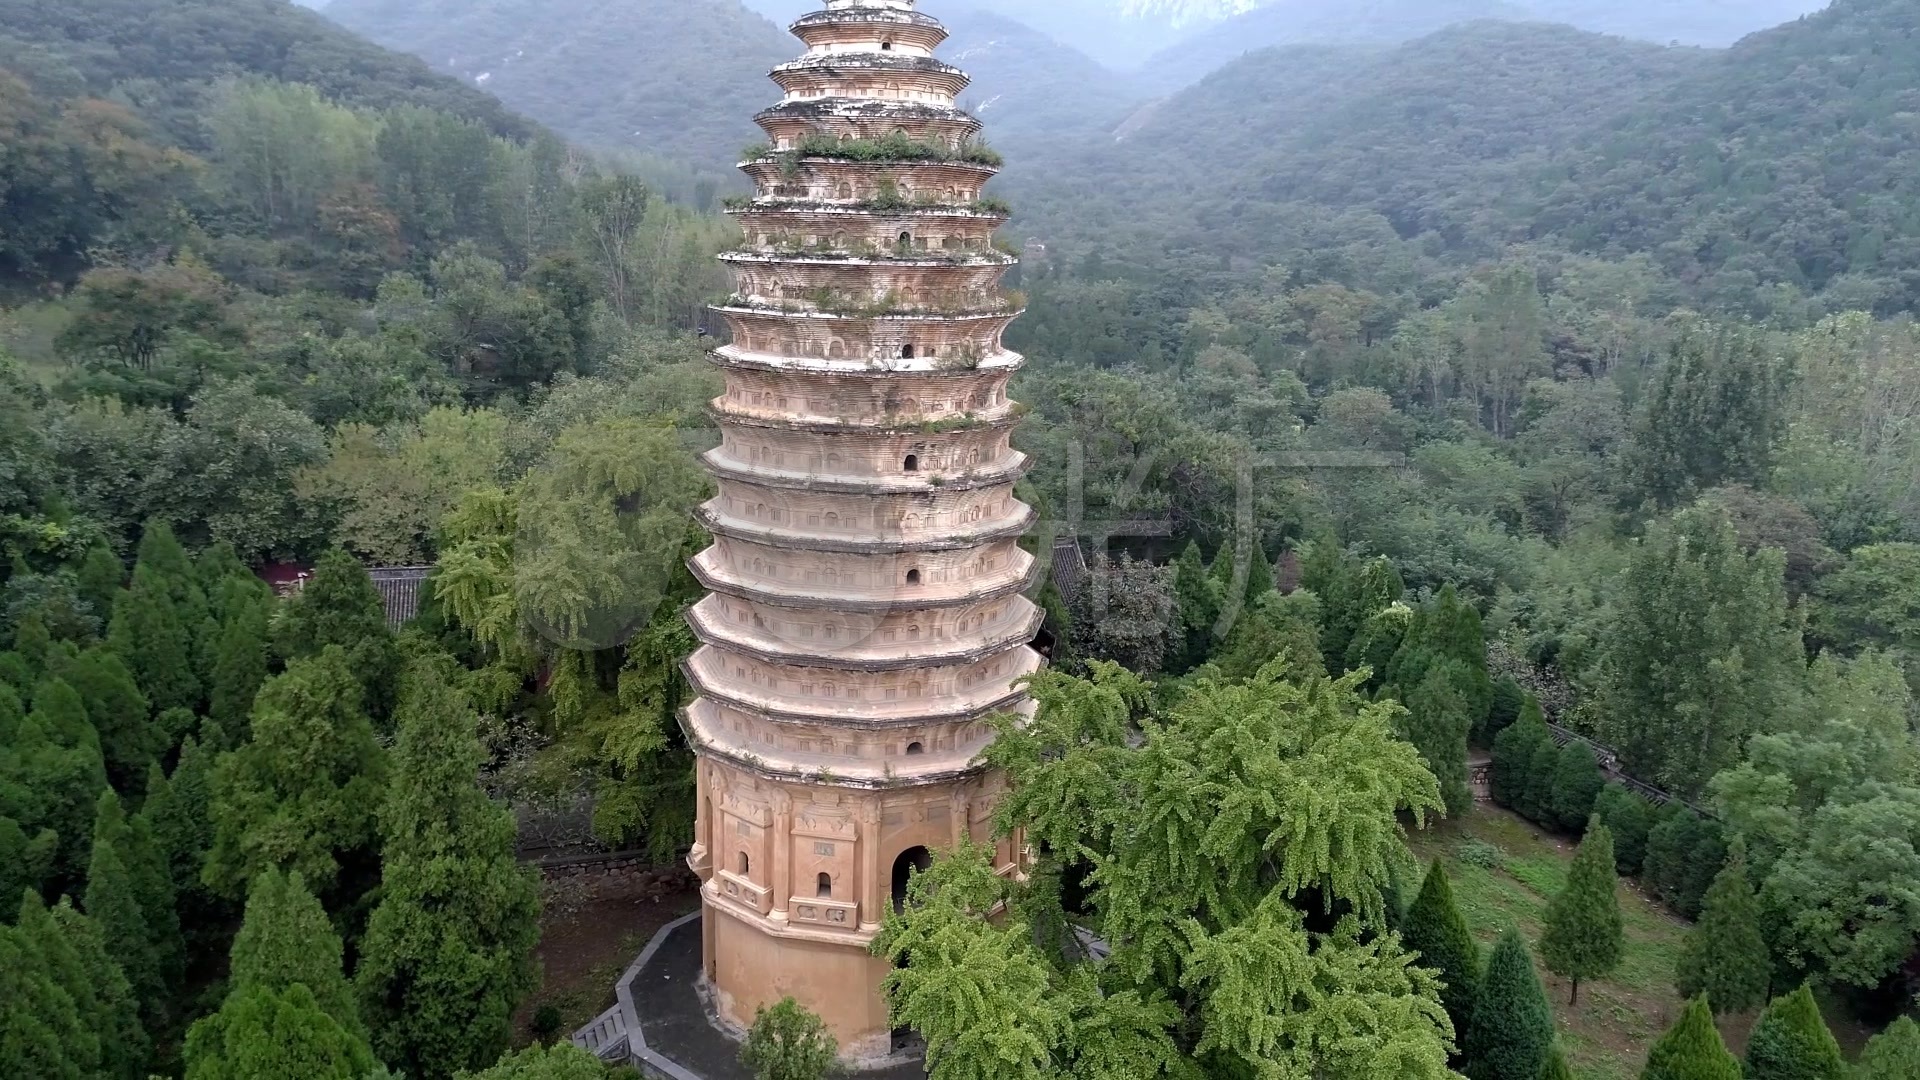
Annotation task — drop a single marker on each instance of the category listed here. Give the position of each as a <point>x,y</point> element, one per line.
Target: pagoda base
<point>747,969</point>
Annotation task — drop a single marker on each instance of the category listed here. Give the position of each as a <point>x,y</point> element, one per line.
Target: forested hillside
<point>1756,176</point>
<point>675,78</point>
<point>166,57</point>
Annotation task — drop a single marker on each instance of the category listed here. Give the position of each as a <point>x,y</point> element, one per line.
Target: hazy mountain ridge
<point>675,78</point>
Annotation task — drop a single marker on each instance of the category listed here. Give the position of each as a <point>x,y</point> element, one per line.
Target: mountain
<point>1785,166</point>
<point>1297,22</point>
<point>1692,22</point>
<point>1437,136</point>
<point>165,54</point>
<point>673,78</point>
<point>683,78</point>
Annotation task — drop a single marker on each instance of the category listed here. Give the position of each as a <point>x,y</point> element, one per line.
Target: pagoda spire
<point>867,611</point>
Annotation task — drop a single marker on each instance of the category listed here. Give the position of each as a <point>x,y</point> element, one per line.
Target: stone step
<point>606,1038</point>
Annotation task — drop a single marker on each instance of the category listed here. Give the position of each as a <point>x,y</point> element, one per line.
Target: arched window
<point>887,45</point>
<point>915,749</point>
<point>746,865</point>
<point>913,577</point>
<point>912,464</point>
<point>906,240</point>
<point>906,352</point>
<point>824,888</point>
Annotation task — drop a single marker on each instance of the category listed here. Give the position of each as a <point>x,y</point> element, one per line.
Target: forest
<point>1513,407</point>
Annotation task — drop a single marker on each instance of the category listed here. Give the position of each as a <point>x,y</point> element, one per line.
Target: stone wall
<point>620,875</point>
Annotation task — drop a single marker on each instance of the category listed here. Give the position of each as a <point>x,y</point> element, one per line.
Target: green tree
<point>24,860</point>
<point>1511,1034</point>
<point>787,1042</point>
<point>1557,1067</point>
<point>1577,783</point>
<point>155,642</point>
<point>1197,601</point>
<point>1701,650</point>
<point>1629,817</point>
<point>302,794</point>
<point>286,940</point>
<point>562,1062</point>
<point>54,774</point>
<point>98,986</point>
<point>1440,714</point>
<point>1585,934</point>
<point>1513,751</point>
<point>129,739</point>
<point>100,578</point>
<point>1726,958</point>
<point>449,950</point>
<point>1894,1054</point>
<point>239,665</point>
<point>1542,770</point>
<point>1691,1050</point>
<point>1714,414</point>
<point>339,607</point>
<point>260,1034</point>
<point>42,1033</point>
<point>112,901</point>
<point>1791,1042</point>
<point>1436,931</point>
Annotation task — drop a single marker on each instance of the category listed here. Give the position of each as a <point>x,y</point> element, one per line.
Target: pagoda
<point>866,613</point>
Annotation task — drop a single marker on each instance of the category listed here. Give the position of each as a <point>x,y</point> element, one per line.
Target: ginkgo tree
<point>1241,836</point>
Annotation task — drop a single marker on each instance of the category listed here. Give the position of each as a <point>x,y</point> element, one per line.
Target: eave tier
<point>823,74</point>
<point>900,25</point>
<point>791,121</point>
<point>935,481</point>
<point>840,285</point>
<point>785,215</point>
<point>950,458</point>
<point>936,694</point>
<point>897,641</point>
<point>827,179</point>
<point>870,262</point>
<point>871,584</point>
<point>862,404</point>
<point>879,307</point>
<point>776,337</point>
<point>868,523</point>
<point>710,733</point>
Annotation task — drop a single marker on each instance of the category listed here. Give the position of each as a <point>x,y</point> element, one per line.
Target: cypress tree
<point>1508,699</point>
<point>129,740</point>
<point>1726,956</point>
<point>1669,844</point>
<point>1692,1050</point>
<point>152,875</point>
<point>1630,818</point>
<point>1577,782</point>
<point>25,860</point>
<point>1542,769</point>
<point>286,940</point>
<point>1439,717</point>
<point>340,607</point>
<point>1791,1042</point>
<point>1327,572</point>
<point>216,567</point>
<point>1435,929</point>
<point>1894,1054</point>
<point>1199,607</point>
<point>79,964</point>
<point>259,1033</point>
<point>54,776</point>
<point>304,792</point>
<point>1511,1034</point>
<point>155,643</point>
<point>112,901</point>
<point>1259,575</point>
<point>1586,935</point>
<point>239,665</point>
<point>1703,862</point>
<point>100,578</point>
<point>448,954</point>
<point>1513,752</point>
<point>1380,637</point>
<point>42,1034</point>
<point>178,808</point>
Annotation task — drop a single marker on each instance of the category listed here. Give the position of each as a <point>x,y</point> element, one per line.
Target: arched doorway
<point>911,861</point>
